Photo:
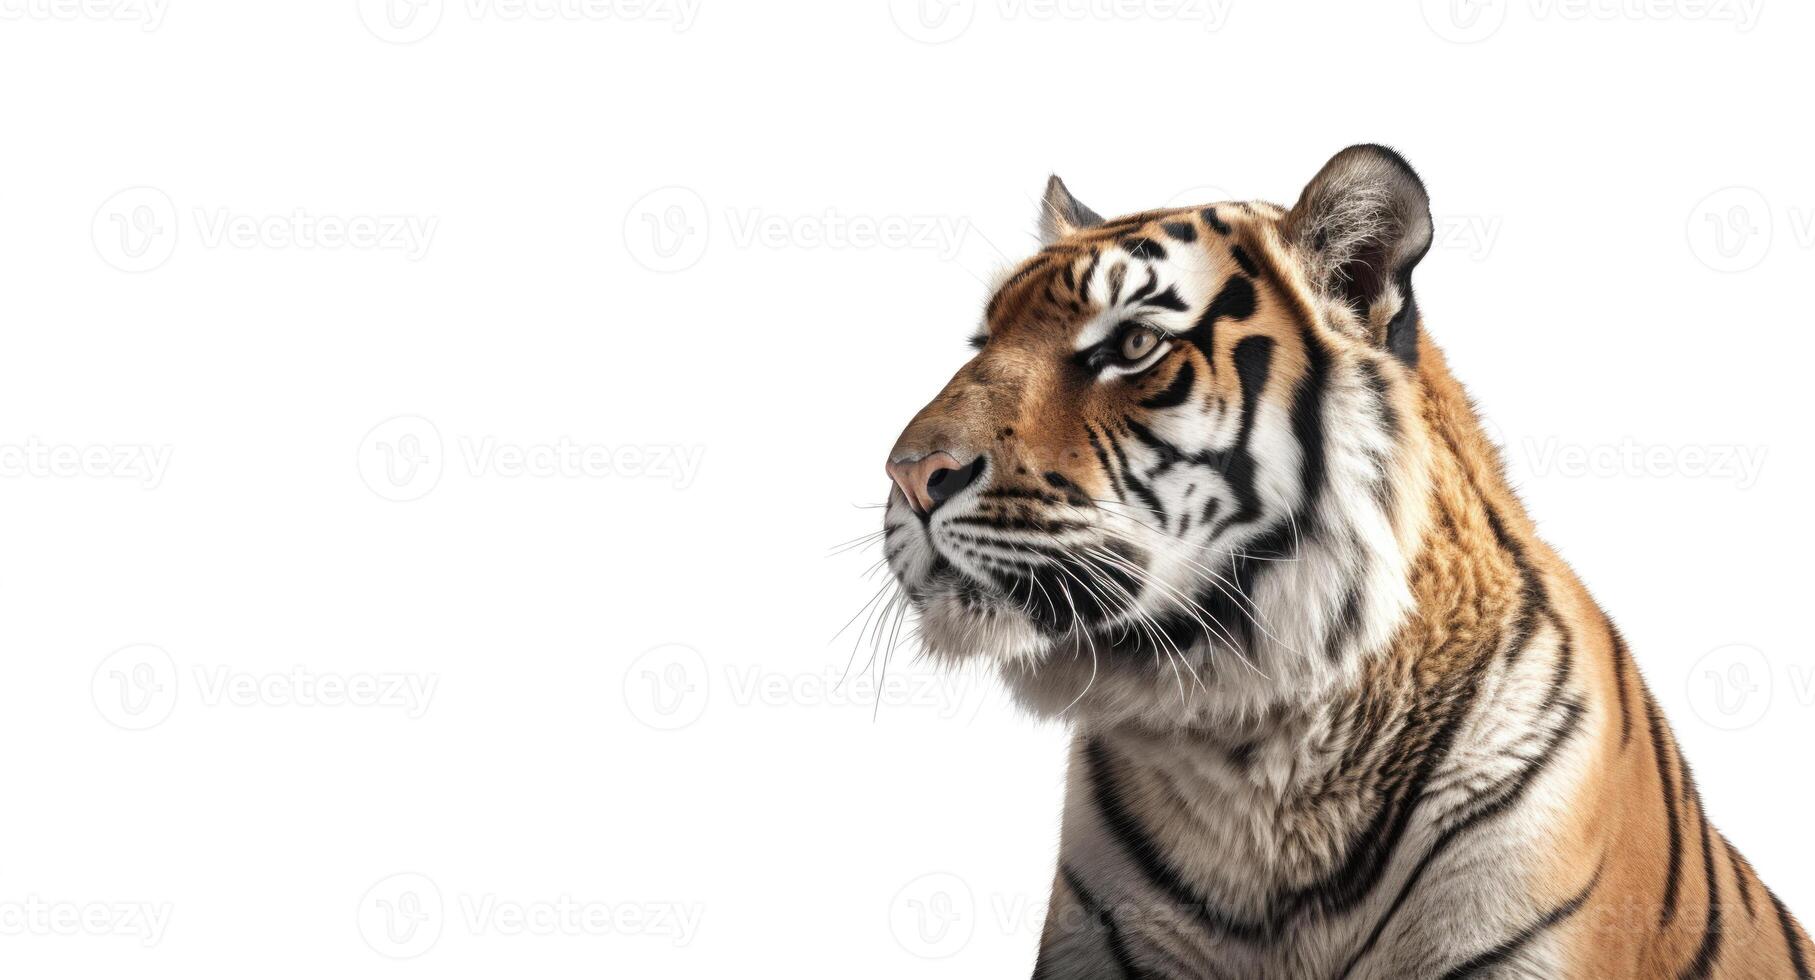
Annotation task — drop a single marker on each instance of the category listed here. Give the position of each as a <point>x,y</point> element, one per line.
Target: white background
<point>641,235</point>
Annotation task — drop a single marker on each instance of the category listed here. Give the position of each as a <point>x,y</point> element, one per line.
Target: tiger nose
<point>933,479</point>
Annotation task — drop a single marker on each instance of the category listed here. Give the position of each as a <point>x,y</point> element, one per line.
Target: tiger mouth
<point>1058,593</point>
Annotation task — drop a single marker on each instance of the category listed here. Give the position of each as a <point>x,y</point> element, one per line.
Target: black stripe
<point>1143,248</point>
<point>1167,299</point>
<point>1307,425</point>
<point>1511,791</point>
<point>1347,620</point>
<point>1134,483</point>
<point>1235,301</point>
<point>1126,830</point>
<point>1177,391</point>
<point>1181,230</point>
<point>1118,277</point>
<point>1113,938</point>
<point>1621,663</point>
<point>1674,865</point>
<point>1402,331</point>
<point>1096,446</point>
<point>1147,288</point>
<point>1210,510</point>
<point>1791,937</point>
<point>1219,225</point>
<point>1708,953</point>
<point>1143,491</point>
<point>1246,261</point>
<point>1090,270</point>
<point>1740,871</point>
<point>1510,947</point>
<point>1253,357</point>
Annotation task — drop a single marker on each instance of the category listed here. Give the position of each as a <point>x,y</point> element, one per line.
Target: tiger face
<point>1173,421</point>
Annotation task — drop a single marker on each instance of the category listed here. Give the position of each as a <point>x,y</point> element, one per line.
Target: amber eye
<point>1137,343</point>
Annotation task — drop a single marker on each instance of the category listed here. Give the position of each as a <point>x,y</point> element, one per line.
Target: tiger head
<point>1180,474</point>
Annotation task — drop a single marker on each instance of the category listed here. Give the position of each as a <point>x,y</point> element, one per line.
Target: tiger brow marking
<point>1210,218</point>
<point>1236,301</point>
<point>1142,247</point>
<point>1090,271</point>
<point>1118,276</point>
<point>1147,288</point>
<point>1246,261</point>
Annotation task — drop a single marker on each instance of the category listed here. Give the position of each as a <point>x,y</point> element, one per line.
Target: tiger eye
<point>1138,344</point>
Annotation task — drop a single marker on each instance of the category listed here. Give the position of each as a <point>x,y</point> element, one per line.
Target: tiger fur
<point>1208,493</point>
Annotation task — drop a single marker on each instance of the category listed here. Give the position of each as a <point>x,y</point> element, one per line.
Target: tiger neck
<point>1365,609</point>
<point>1276,799</point>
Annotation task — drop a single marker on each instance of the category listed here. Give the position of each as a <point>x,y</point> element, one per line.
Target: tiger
<point>1208,494</point>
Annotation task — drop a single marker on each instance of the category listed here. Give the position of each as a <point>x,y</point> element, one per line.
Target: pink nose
<point>933,479</point>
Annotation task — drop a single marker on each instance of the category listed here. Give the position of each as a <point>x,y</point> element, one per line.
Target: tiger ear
<point>1061,214</point>
<point>1361,225</point>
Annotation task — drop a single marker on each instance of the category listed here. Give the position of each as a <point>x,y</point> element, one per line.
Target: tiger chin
<point>1208,493</point>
